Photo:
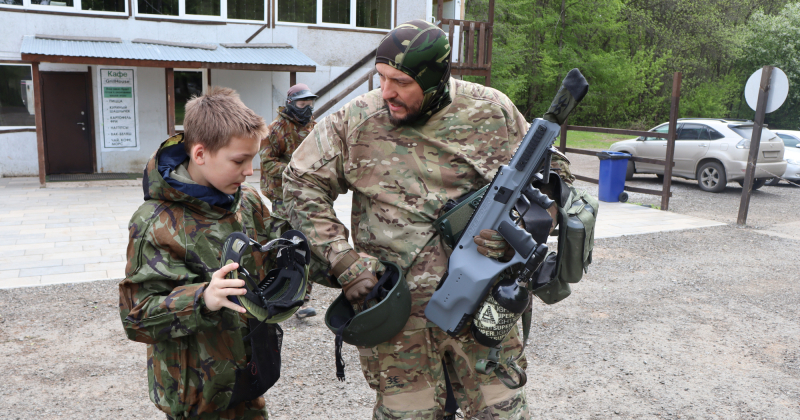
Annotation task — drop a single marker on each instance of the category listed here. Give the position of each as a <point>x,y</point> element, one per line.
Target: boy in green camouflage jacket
<point>174,296</point>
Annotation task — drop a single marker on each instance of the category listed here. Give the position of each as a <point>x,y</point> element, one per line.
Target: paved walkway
<point>75,232</point>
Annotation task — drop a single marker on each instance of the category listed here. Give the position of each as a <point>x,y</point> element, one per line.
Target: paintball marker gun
<point>470,275</point>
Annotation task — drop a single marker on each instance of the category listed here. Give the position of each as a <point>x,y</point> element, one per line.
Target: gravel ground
<point>696,324</point>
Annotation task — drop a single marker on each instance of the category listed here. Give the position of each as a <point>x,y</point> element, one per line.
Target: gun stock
<point>470,275</point>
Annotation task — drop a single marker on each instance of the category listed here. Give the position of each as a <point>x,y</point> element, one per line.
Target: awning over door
<point>154,53</point>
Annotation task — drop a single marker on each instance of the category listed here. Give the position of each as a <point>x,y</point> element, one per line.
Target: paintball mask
<point>296,93</point>
<point>276,297</point>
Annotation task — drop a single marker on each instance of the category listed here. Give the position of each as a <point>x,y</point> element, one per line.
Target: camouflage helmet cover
<point>421,50</point>
<point>418,49</point>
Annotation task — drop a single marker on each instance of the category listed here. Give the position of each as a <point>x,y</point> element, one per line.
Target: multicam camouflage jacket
<point>400,177</point>
<point>285,135</point>
<point>174,248</point>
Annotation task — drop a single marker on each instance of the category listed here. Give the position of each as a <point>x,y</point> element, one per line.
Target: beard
<point>412,112</point>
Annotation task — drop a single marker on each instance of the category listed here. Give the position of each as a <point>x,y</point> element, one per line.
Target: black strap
<point>338,343</point>
<point>381,289</point>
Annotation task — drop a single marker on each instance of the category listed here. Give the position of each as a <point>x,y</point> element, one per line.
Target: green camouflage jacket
<point>400,178</point>
<point>174,248</point>
<point>285,135</point>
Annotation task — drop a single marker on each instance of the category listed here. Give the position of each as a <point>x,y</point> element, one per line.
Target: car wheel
<point>773,181</point>
<point>711,177</point>
<point>660,178</point>
<point>630,171</point>
<point>757,183</point>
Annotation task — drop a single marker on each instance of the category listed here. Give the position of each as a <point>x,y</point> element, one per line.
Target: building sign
<point>119,109</point>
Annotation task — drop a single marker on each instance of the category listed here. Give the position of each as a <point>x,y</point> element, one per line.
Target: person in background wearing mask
<point>292,125</point>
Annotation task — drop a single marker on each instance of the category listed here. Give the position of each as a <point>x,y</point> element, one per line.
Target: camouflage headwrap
<point>420,50</point>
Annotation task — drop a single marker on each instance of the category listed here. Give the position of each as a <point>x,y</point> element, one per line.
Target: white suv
<point>711,150</point>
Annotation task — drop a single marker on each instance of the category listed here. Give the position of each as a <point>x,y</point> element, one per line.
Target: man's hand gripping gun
<point>470,275</point>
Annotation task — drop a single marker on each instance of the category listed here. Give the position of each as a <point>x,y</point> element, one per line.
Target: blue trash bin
<point>611,183</point>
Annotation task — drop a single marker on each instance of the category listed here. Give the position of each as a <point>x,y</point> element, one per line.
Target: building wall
<point>18,155</point>
<point>264,92</point>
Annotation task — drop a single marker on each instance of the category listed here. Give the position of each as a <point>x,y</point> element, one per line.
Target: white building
<point>85,85</point>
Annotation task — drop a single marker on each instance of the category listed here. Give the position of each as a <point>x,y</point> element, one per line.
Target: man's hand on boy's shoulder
<point>218,290</point>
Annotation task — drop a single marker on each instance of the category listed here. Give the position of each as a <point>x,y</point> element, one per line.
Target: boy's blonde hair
<point>212,119</point>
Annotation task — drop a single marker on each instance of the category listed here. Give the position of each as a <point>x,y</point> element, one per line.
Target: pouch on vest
<point>576,235</point>
<point>545,285</point>
<point>457,214</point>
<point>576,220</point>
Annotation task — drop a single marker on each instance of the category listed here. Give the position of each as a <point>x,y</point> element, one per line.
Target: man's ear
<point>198,154</point>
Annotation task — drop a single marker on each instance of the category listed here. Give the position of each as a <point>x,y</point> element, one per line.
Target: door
<point>652,148</point>
<point>690,146</point>
<point>67,133</point>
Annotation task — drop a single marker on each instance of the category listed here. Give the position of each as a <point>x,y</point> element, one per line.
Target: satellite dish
<point>778,89</point>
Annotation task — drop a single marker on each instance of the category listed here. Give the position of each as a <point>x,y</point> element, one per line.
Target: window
<point>158,7</point>
<point>202,7</point>
<point>16,96</point>
<point>714,134</point>
<point>789,141</point>
<point>87,6</point>
<point>104,5</point>
<point>376,14</point>
<point>209,9</point>
<point>693,132</point>
<point>246,9</point>
<point>300,11</point>
<point>188,84</point>
<point>660,129</point>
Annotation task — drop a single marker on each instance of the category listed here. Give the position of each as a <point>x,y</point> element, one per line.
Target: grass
<point>652,206</point>
<point>586,140</point>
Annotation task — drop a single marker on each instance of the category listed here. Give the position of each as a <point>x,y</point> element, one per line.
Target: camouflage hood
<point>420,50</point>
<point>158,184</point>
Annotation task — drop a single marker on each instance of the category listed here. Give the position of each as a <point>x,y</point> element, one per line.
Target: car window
<point>664,128</point>
<point>693,132</point>
<point>747,131</point>
<point>714,134</point>
<point>788,140</point>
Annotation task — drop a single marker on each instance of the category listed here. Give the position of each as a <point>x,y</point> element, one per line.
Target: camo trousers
<point>407,372</point>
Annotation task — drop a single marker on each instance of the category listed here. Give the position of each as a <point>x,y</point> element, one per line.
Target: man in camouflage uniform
<point>174,295</point>
<point>404,151</point>
<point>294,122</point>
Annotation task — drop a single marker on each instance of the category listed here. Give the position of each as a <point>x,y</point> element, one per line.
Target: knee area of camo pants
<point>407,374</point>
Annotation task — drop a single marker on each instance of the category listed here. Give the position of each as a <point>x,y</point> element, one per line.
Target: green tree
<point>775,40</point>
<point>628,50</point>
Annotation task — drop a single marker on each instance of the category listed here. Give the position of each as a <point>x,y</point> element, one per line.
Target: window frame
<point>351,26</point>
<point>179,128</point>
<point>20,127</point>
<point>75,9</point>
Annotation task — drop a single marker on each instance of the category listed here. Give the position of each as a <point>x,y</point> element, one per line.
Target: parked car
<point>711,150</point>
<point>791,140</point>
